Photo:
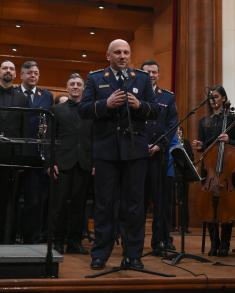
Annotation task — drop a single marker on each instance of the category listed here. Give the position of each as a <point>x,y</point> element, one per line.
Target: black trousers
<point>123,182</point>
<point>36,184</point>
<point>69,204</point>
<point>8,204</point>
<point>159,192</point>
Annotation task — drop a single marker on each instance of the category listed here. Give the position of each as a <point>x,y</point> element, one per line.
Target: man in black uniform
<point>12,124</point>
<point>72,169</point>
<point>157,186</point>
<point>119,99</point>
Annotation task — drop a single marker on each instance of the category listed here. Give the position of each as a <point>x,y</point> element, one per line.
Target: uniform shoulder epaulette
<point>168,91</point>
<point>95,71</point>
<point>140,70</point>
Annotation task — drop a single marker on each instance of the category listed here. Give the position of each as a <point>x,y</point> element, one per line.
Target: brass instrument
<point>42,132</point>
<point>180,136</point>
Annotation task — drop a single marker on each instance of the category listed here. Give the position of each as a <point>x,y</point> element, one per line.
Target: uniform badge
<point>135,90</point>
<point>106,74</point>
<point>101,86</point>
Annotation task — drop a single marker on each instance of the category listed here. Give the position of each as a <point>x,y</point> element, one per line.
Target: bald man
<point>119,100</point>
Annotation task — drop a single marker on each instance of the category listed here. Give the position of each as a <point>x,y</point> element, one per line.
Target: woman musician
<point>210,129</point>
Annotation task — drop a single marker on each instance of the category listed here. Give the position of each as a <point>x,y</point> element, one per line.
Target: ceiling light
<point>92,32</point>
<point>101,5</point>
<point>84,54</point>
<point>14,49</point>
<point>18,25</point>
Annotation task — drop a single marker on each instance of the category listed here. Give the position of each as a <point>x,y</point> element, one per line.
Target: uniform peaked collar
<point>110,78</point>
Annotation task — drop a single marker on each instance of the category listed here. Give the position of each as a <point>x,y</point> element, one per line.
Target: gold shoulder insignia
<point>106,74</point>
<point>95,71</point>
<point>132,74</point>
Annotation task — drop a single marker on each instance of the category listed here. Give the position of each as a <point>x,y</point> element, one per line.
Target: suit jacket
<point>12,124</point>
<point>112,139</point>
<point>166,119</point>
<point>74,135</point>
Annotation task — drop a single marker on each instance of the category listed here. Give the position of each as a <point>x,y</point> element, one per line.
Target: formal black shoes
<point>134,263</point>
<point>74,247</point>
<point>97,264</point>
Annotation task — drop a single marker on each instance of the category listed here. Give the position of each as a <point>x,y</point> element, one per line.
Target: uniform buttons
<point>118,128</point>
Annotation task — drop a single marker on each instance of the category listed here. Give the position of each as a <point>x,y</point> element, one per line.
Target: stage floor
<point>190,274</point>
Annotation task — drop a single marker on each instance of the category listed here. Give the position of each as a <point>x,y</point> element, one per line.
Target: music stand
<point>185,171</point>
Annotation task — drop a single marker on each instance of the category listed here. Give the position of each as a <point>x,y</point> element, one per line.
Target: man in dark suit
<point>119,99</point>
<point>157,185</point>
<point>36,182</point>
<point>12,124</point>
<point>72,169</point>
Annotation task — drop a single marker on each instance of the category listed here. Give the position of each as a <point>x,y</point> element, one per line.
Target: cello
<point>218,163</point>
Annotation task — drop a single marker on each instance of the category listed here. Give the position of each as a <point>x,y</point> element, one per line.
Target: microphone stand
<point>177,256</point>
<point>174,127</point>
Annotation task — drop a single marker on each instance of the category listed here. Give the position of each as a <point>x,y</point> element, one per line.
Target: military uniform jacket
<point>42,99</point>
<point>74,136</point>
<point>167,118</point>
<point>112,139</point>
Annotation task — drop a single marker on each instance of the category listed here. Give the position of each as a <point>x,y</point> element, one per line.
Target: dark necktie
<point>29,95</point>
<point>120,80</point>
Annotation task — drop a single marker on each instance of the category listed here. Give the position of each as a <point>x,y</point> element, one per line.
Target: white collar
<point>24,89</point>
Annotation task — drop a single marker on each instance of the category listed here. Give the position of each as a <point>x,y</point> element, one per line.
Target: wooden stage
<point>190,274</point>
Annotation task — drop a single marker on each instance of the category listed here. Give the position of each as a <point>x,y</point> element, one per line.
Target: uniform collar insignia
<point>132,74</point>
<point>106,74</point>
<point>158,90</point>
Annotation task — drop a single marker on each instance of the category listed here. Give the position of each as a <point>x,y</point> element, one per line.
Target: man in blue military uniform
<point>119,100</point>
<point>157,188</point>
<point>35,186</point>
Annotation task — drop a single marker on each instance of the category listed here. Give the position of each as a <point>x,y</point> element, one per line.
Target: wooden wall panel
<point>154,41</point>
<point>198,66</point>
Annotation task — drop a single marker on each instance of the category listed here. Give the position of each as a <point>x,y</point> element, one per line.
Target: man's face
<point>7,72</point>
<point>153,73</point>
<point>75,87</point>
<point>30,77</point>
<point>119,55</point>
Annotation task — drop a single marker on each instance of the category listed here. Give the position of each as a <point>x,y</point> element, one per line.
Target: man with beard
<point>12,124</point>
